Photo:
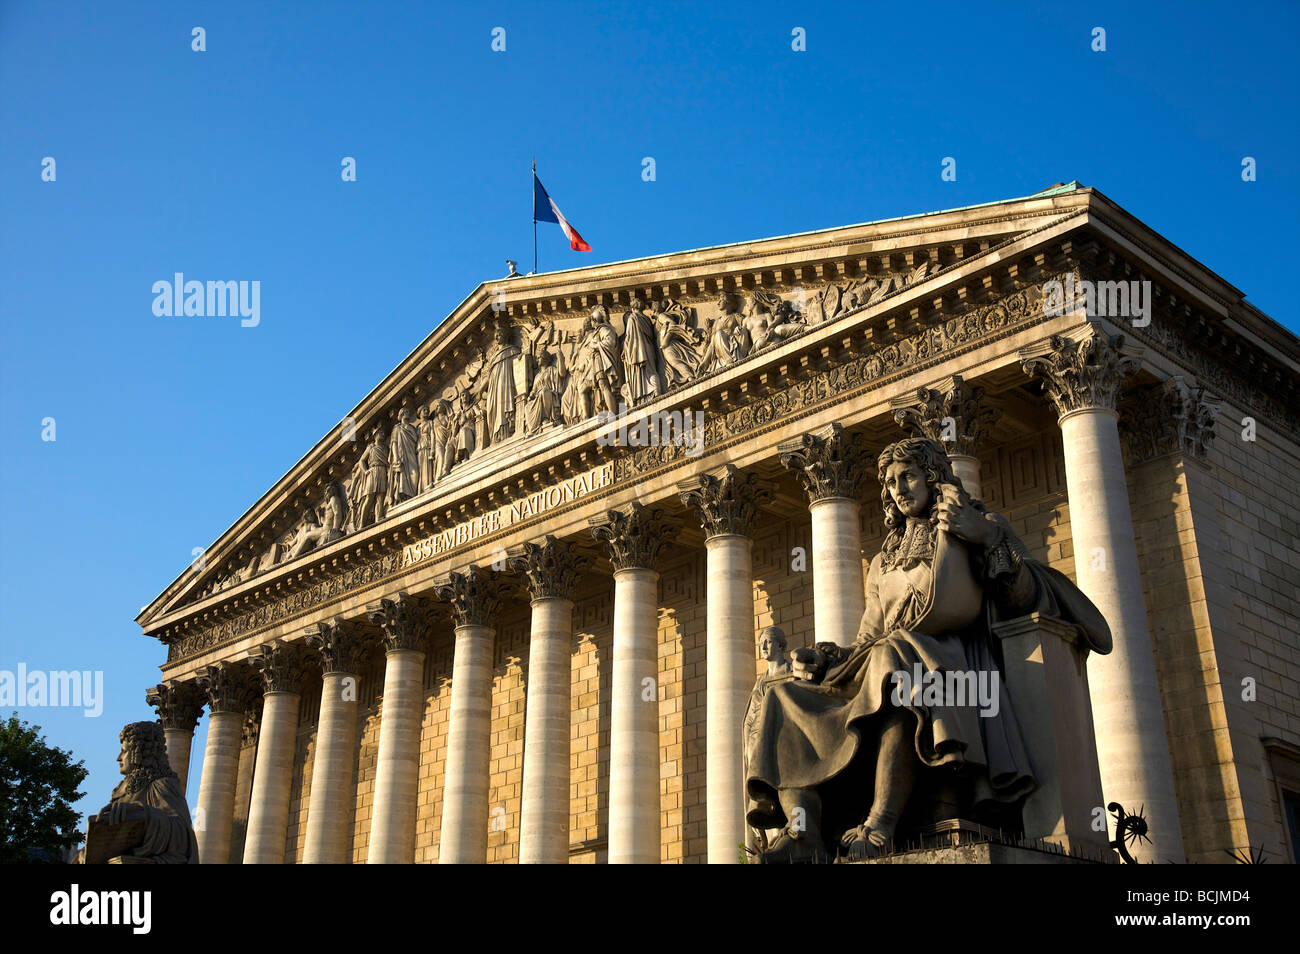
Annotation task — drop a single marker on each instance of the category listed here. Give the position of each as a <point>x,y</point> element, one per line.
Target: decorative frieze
<point>552,568</point>
<point>280,665</point>
<point>954,413</point>
<point>405,620</point>
<point>341,643</point>
<point>725,499</point>
<point>634,535</point>
<point>179,704</point>
<point>1080,373</point>
<point>830,462</point>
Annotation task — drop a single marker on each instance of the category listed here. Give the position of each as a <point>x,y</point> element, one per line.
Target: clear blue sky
<point>225,164</point>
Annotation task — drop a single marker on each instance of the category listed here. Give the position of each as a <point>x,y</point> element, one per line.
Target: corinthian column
<point>405,621</point>
<point>634,536</point>
<point>342,645</point>
<point>280,665</point>
<point>957,416</point>
<point>1082,375</point>
<point>552,569</point>
<point>726,501</point>
<point>830,464</point>
<point>179,705</point>
<point>475,598</point>
<point>229,693</point>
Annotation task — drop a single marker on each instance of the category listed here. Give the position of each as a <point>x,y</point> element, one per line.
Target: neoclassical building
<point>506,610</point>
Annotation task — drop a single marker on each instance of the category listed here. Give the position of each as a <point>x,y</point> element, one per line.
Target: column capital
<point>725,499</point>
<point>179,704</point>
<point>552,567</point>
<point>341,643</point>
<point>280,665</point>
<point>228,687</point>
<point>405,619</point>
<point>473,595</point>
<point>1082,371</point>
<point>952,412</point>
<point>1173,417</point>
<point>829,462</point>
<point>634,535</point>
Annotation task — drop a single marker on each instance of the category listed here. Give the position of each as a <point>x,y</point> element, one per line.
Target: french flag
<point>545,210</point>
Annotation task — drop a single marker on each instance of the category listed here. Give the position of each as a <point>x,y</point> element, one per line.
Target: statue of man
<point>543,404</point>
<point>772,644</point>
<point>640,355</point>
<point>677,346</point>
<point>369,492</point>
<point>147,820</point>
<point>498,384</point>
<point>403,459</point>
<point>426,448</point>
<point>444,438</point>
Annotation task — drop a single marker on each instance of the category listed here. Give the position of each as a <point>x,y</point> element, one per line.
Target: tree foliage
<point>38,784</point>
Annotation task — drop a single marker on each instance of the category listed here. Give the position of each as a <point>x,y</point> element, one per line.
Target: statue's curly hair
<point>147,745</point>
<point>933,461</point>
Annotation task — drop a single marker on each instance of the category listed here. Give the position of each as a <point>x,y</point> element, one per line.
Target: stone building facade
<point>505,611</point>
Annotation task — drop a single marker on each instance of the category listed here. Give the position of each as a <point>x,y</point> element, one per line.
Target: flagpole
<point>534,189</point>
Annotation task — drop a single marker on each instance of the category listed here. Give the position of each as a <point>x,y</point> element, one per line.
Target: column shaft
<point>179,742</point>
<point>397,766</point>
<point>216,808</point>
<point>839,593</point>
<point>634,720</point>
<point>268,814</point>
<point>544,821</point>
<point>465,780</point>
<point>967,469</point>
<point>329,809</point>
<point>1132,746</point>
<point>729,681</point>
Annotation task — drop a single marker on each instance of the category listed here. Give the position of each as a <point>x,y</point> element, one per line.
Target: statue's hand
<point>808,664</point>
<point>959,518</point>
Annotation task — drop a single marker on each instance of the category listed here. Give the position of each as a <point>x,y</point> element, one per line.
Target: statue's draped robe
<point>169,835</point>
<point>404,461</point>
<point>500,391</point>
<point>678,351</point>
<point>933,609</point>
<point>640,356</point>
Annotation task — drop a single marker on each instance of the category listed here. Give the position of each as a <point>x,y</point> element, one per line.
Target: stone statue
<point>403,459</point>
<point>497,384</point>
<point>729,340</point>
<point>368,493</point>
<point>595,371</point>
<point>426,449</point>
<point>641,376</point>
<point>772,644</point>
<point>842,749</point>
<point>444,438</point>
<point>546,394</point>
<point>677,344</point>
<point>319,526</point>
<point>147,820</point>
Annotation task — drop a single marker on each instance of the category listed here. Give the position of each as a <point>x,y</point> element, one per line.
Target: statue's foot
<point>863,842</point>
<point>788,850</point>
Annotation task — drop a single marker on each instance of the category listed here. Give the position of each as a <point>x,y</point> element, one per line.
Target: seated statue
<point>841,751</point>
<point>147,821</point>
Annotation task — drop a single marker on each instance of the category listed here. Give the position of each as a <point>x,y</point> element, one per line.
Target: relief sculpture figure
<point>640,356</point>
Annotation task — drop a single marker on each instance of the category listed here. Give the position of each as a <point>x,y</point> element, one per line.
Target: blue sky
<point>225,164</point>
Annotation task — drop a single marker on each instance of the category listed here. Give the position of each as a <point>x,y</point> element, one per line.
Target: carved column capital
<point>952,412</point>
<point>341,643</point>
<point>179,704</point>
<point>280,665</point>
<point>1168,418</point>
<point>1080,373</point>
<point>725,499</point>
<point>228,687</point>
<point>634,535</point>
<point>473,596</point>
<point>552,567</point>
<point>829,462</point>
<point>405,620</point>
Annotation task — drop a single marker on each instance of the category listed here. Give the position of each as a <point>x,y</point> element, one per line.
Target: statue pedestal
<point>1047,679</point>
<point>961,842</point>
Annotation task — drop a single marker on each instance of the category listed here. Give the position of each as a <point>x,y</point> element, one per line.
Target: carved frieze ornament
<point>954,413</point>
<point>634,535</point>
<point>1080,373</point>
<point>178,704</point>
<point>552,567</point>
<point>725,500</point>
<point>1168,418</point>
<point>829,462</point>
<point>473,595</point>
<point>405,620</point>
<point>341,643</point>
<point>229,687</point>
<point>280,665</point>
